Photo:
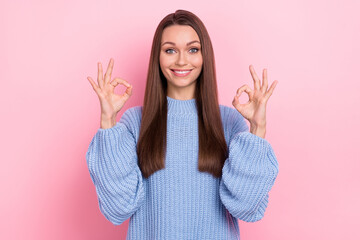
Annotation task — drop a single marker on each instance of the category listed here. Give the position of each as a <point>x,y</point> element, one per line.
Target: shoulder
<point>132,113</point>
<point>232,120</point>
<point>230,114</point>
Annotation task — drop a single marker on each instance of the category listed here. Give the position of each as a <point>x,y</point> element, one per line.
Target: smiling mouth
<point>181,70</point>
<point>181,73</point>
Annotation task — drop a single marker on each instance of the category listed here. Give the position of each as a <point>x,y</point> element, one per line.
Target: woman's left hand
<point>255,109</point>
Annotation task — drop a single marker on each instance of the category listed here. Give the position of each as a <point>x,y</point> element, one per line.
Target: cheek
<point>198,62</point>
<point>161,61</point>
<point>163,65</point>
<point>165,62</point>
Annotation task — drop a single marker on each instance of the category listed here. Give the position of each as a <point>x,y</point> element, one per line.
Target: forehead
<point>179,34</point>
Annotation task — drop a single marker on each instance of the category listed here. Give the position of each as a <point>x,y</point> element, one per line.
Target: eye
<point>168,50</point>
<point>196,50</point>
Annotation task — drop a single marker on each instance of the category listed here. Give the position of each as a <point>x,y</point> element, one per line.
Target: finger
<point>100,76</point>
<point>129,87</point>
<point>265,81</point>
<point>128,92</point>
<point>239,106</point>
<point>255,78</point>
<point>236,103</point>
<point>244,88</point>
<point>117,81</point>
<point>270,91</point>
<point>109,71</point>
<point>93,84</point>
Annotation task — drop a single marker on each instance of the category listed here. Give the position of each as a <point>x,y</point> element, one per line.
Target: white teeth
<point>181,72</point>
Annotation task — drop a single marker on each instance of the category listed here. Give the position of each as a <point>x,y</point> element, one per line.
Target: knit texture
<point>179,202</point>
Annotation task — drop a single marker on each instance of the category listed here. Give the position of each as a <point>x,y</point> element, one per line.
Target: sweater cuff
<point>118,144</point>
<point>253,151</point>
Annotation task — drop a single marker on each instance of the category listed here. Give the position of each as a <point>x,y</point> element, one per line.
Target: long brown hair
<point>152,139</point>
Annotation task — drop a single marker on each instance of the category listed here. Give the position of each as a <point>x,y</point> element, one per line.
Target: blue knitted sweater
<point>179,202</point>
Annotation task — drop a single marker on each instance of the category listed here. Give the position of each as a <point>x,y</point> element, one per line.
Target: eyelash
<point>197,50</point>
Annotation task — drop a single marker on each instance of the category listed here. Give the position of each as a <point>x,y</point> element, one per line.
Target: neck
<point>176,106</point>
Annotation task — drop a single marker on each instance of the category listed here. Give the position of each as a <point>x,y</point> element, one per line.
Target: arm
<point>112,163</point>
<point>248,173</point>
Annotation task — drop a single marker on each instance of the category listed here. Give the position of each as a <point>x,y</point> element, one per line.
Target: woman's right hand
<point>110,102</point>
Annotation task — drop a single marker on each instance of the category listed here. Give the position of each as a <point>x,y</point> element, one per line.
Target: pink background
<point>49,111</point>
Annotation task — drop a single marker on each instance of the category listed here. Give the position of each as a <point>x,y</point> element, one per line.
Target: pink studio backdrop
<point>50,112</point>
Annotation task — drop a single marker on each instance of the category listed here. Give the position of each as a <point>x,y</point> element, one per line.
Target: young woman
<point>181,166</point>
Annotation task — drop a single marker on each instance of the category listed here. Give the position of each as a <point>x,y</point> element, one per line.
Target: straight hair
<point>151,145</point>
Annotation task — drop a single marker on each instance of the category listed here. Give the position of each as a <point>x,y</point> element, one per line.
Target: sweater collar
<point>176,106</point>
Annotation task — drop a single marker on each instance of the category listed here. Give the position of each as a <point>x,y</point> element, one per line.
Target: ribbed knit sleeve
<point>112,163</point>
<point>248,174</point>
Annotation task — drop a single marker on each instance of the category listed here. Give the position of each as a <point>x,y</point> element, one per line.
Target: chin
<point>182,84</point>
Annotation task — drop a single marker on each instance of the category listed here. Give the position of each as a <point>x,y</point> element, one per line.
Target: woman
<point>181,166</point>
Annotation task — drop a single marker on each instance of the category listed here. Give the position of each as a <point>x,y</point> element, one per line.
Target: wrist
<point>107,122</point>
<point>258,130</point>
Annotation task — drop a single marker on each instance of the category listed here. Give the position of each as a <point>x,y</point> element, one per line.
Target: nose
<point>181,59</point>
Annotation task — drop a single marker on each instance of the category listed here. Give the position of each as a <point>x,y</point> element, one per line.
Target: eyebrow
<point>186,44</point>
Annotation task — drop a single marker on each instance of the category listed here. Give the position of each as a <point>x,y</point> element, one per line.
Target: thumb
<point>238,105</point>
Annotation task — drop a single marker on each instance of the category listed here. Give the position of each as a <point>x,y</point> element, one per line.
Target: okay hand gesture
<point>255,109</point>
<point>110,102</point>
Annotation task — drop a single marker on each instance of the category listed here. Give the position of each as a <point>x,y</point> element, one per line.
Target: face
<point>180,60</point>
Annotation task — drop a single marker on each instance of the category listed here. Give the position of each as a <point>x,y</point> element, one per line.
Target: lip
<point>181,75</point>
<point>180,69</point>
